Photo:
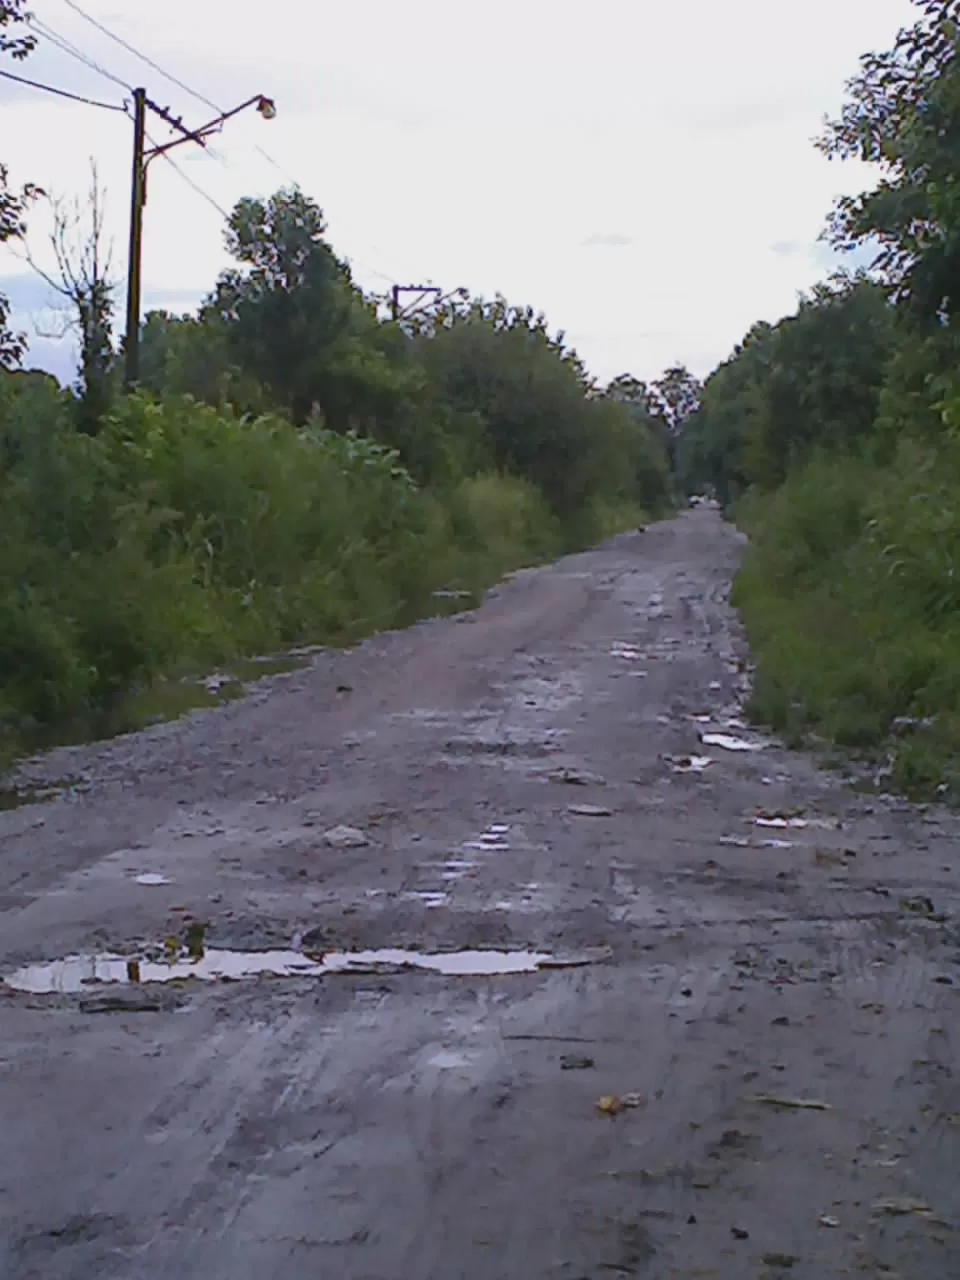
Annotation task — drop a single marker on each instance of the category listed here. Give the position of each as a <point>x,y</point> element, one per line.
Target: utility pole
<point>421,289</point>
<point>138,198</point>
<point>132,345</point>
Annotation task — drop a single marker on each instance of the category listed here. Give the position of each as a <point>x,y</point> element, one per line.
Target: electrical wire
<point>137,54</point>
<point>67,47</point>
<point>63,93</point>
<point>205,101</point>
<point>190,182</point>
<point>155,66</point>
<point>73,51</point>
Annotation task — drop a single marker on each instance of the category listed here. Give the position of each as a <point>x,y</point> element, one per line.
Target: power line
<point>155,66</point>
<point>63,93</point>
<point>190,182</point>
<point>137,54</point>
<point>67,47</point>
<point>199,97</point>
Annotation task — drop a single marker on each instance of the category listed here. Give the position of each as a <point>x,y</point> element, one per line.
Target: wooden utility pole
<point>138,196</point>
<point>132,342</point>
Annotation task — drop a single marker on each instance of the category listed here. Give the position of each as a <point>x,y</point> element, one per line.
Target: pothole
<point>80,972</point>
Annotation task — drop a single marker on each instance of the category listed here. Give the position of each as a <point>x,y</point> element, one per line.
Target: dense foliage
<point>294,466</point>
<point>835,434</point>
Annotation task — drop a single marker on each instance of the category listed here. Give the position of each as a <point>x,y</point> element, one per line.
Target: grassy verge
<point>850,594</point>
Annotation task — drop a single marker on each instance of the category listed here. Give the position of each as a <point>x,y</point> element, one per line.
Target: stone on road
<point>657,1043</point>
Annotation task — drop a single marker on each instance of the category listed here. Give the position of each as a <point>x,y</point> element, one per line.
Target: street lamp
<point>141,159</point>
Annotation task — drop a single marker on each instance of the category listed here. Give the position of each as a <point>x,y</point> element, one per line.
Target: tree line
<point>294,464</point>
<point>834,438</point>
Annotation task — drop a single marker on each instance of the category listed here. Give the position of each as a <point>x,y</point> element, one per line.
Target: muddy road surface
<point>719,1032</point>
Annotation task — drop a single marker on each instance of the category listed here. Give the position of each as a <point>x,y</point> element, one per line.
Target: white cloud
<point>490,146</point>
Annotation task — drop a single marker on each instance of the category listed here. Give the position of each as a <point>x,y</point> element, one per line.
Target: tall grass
<point>850,593</point>
<point>183,536</point>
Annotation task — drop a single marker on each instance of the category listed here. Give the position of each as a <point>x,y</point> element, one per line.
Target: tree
<point>83,268</point>
<point>13,204</point>
<point>903,114</point>
<point>290,303</point>
<point>813,380</point>
<point>499,362</point>
<point>675,397</point>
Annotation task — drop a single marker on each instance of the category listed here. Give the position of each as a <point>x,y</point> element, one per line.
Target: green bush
<point>850,593</point>
<point>183,535</point>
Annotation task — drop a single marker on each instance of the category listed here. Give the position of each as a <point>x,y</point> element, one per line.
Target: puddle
<point>18,797</point>
<point>170,698</point>
<point>493,840</point>
<point>627,652</point>
<point>77,973</point>
<point>729,742</point>
<point>429,897</point>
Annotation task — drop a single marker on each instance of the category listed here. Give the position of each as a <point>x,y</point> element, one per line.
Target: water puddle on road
<point>78,973</point>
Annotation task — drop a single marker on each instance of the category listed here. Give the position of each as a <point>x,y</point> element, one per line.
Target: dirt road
<point>404,1124</point>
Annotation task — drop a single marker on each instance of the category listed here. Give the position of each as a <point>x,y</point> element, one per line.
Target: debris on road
<point>152,878</point>
<point>590,810</point>
<point>828,1220</point>
<point>687,764</point>
<point>782,1261</point>
<point>918,906</point>
<point>611,1104</point>
<point>344,837</point>
<point>900,1206</point>
<point>795,1104</point>
<point>576,778</point>
<point>778,820</point>
<point>572,1062</point>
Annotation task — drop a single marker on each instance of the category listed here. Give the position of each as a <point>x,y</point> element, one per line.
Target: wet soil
<point>748,1071</point>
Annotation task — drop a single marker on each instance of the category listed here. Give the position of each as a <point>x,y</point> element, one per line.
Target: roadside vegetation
<point>295,466</point>
<point>834,439</point>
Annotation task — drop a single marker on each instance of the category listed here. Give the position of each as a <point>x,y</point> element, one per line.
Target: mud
<point>396,1122</point>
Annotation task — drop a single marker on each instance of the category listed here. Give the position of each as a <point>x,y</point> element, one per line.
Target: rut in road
<point>564,771</point>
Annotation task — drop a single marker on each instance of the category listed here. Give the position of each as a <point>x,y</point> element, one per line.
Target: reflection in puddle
<point>75,973</point>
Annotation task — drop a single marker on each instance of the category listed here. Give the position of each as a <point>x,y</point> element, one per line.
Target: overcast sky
<point>641,170</point>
